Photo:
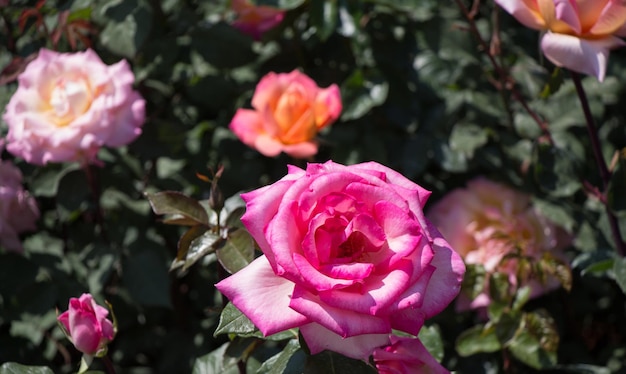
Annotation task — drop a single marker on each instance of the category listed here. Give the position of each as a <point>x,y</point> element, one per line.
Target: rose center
<point>69,99</point>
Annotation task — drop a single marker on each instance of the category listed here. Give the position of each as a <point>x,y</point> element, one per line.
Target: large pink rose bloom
<point>255,20</point>
<point>348,257</point>
<point>18,210</point>
<point>69,105</point>
<point>486,221</point>
<point>579,33</point>
<point>406,356</point>
<point>87,325</point>
<point>289,110</point>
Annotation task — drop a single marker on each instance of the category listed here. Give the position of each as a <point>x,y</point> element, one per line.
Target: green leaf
<point>537,341</point>
<point>238,251</point>
<point>599,268</point>
<point>478,339</point>
<point>233,321</point>
<point>127,27</point>
<point>466,138</point>
<point>171,202</point>
<point>15,368</point>
<point>616,198</point>
<point>499,287</point>
<point>553,85</point>
<point>45,180</point>
<point>213,363</point>
<point>430,336</point>
<point>200,247</point>
<point>329,362</point>
<point>289,360</point>
<point>324,16</point>
<point>187,238</point>
<point>473,281</point>
<point>362,93</point>
<point>619,271</point>
<point>556,170</point>
<point>281,4</point>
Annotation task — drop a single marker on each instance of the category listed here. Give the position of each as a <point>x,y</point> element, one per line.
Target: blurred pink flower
<point>406,356</point>
<point>87,325</point>
<point>486,221</point>
<point>348,257</point>
<point>289,110</point>
<point>68,105</point>
<point>255,20</point>
<point>18,210</point>
<point>579,33</point>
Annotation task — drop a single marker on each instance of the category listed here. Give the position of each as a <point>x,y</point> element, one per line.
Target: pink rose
<point>289,110</point>
<point>579,34</point>
<point>255,20</point>
<point>87,325</point>
<point>18,210</point>
<point>68,105</point>
<point>486,221</point>
<point>406,356</point>
<point>348,257</point>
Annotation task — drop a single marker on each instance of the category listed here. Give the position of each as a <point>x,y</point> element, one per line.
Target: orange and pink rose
<point>289,110</point>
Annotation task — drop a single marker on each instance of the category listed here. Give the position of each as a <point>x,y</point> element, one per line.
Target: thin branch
<point>506,81</point>
<point>605,174</point>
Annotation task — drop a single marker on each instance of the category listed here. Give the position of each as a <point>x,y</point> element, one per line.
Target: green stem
<point>605,174</point>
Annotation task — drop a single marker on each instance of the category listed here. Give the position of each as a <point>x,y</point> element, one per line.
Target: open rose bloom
<point>579,33</point>
<point>18,210</point>
<point>87,325</point>
<point>289,110</point>
<point>487,221</point>
<point>69,105</point>
<point>348,256</point>
<point>255,20</point>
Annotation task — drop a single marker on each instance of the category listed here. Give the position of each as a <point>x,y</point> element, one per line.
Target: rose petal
<point>358,347</point>
<point>524,11</point>
<point>580,55</point>
<point>263,297</point>
<point>341,321</point>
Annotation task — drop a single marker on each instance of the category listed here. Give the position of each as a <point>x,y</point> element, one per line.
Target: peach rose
<point>289,110</point>
<point>68,105</point>
<point>255,20</point>
<point>579,33</point>
<point>486,221</point>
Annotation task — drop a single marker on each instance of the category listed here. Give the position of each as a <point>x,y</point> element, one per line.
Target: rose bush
<point>69,105</point>
<point>348,257</point>
<point>255,20</point>
<point>87,326</point>
<point>289,110</point>
<point>406,356</point>
<point>18,210</point>
<point>579,34</point>
<point>487,221</point>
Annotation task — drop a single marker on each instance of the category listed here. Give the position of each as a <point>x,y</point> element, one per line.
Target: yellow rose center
<point>69,99</point>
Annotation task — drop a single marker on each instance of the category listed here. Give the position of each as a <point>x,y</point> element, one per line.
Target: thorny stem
<point>505,82</point>
<point>605,174</point>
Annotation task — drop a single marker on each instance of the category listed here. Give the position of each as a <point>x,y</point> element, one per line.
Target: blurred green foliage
<point>419,96</point>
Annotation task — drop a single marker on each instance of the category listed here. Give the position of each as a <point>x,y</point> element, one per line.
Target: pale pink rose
<point>69,105</point>
<point>486,221</point>
<point>579,33</point>
<point>255,20</point>
<point>406,356</point>
<point>348,257</point>
<point>289,110</point>
<point>18,210</point>
<point>87,325</point>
